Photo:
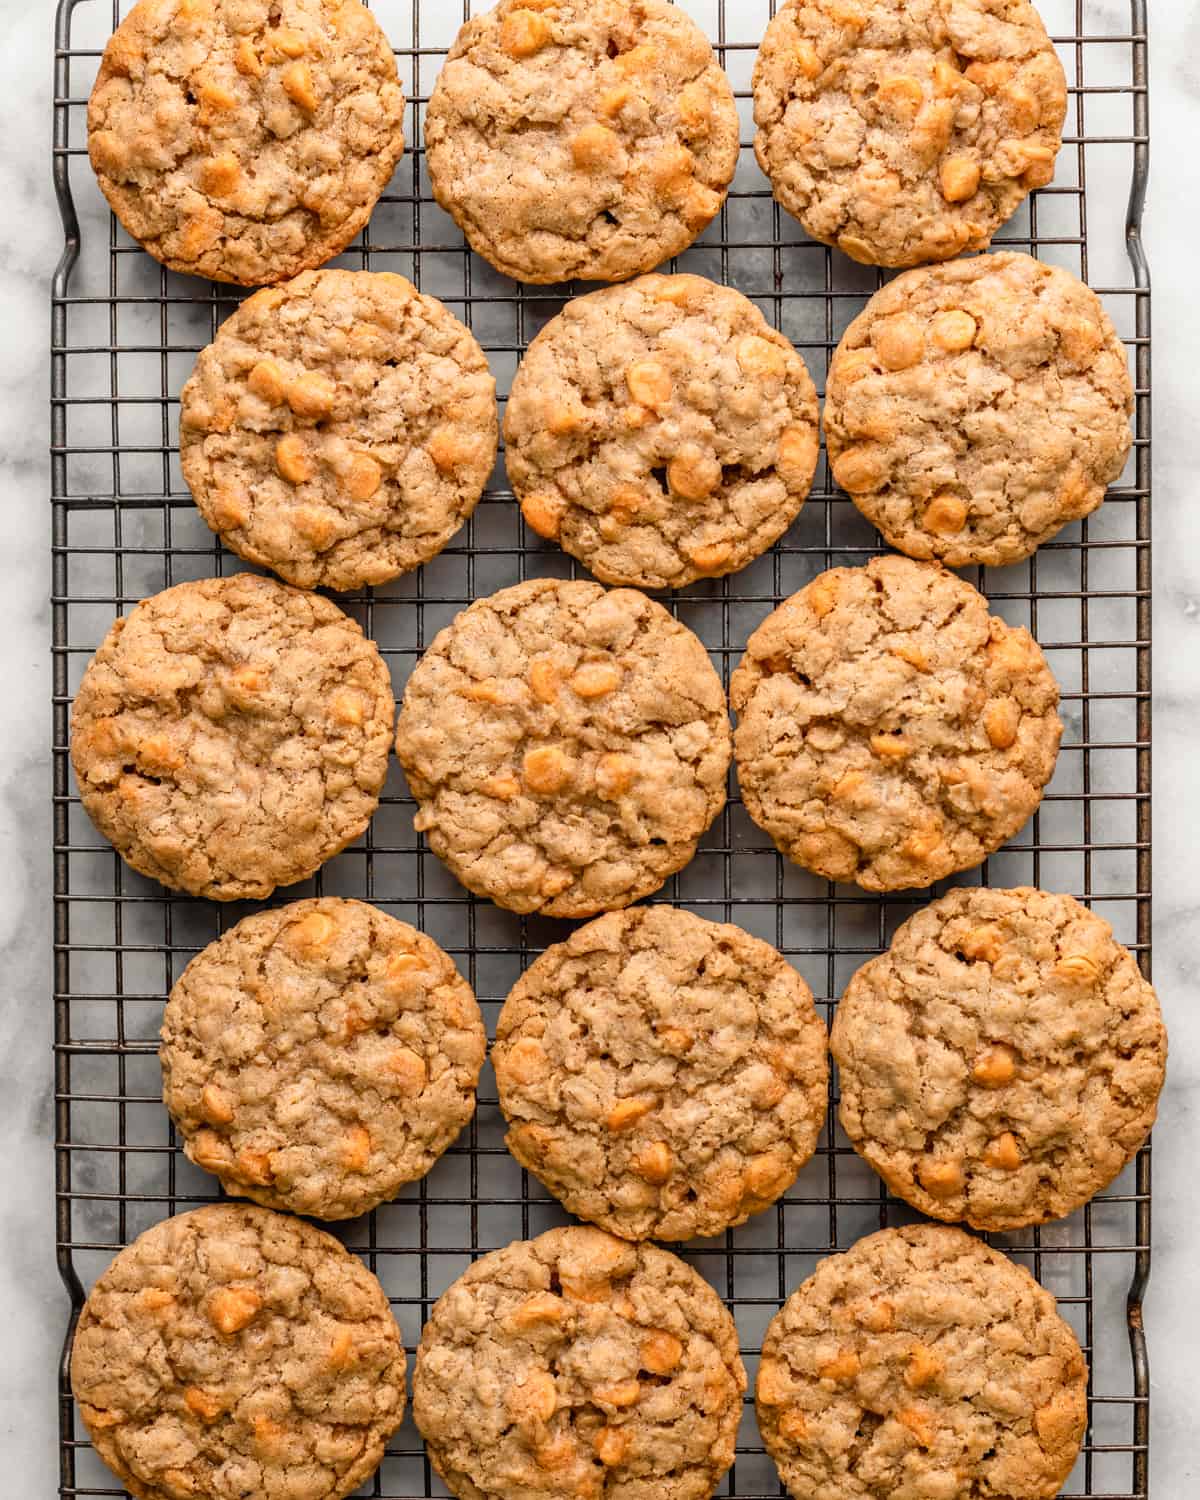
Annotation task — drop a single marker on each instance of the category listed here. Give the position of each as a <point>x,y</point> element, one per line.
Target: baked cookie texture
<point>579,1364</point>
<point>890,730</point>
<point>567,746</point>
<point>661,432</point>
<point>319,1056</point>
<point>974,409</point>
<point>340,429</point>
<point>232,734</point>
<point>245,140</point>
<point>1002,1061</point>
<point>664,1076</point>
<point>233,1351</point>
<point>921,1363</point>
<point>585,138</point>
<point>906,131</point>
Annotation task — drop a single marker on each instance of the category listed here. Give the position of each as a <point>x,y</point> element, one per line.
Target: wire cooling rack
<point>124,336</point>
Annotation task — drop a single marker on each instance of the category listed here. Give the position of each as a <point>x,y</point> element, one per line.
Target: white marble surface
<point>31,1301</point>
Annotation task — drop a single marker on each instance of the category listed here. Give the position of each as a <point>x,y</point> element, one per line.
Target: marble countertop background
<point>32,1304</point>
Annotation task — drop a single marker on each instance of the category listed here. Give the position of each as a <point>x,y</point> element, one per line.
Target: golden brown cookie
<point>906,131</point>
<point>890,730</point>
<point>245,140</point>
<point>661,432</point>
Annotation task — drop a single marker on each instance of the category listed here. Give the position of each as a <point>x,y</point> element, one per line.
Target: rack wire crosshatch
<point>124,335</point>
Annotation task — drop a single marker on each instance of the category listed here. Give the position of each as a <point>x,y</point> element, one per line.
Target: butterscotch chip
<point>242,681</point>
<point>586,1403</point>
<point>721,1129</point>
<point>231,154</point>
<point>1041,1089</point>
<point>386,405</point>
<point>1011,421</point>
<point>347,1066</point>
<point>862,745</point>
<point>997,1405</point>
<point>888,130</point>
<point>614,789</point>
<point>720,459</point>
<point>278,1357</point>
<point>589,138</point>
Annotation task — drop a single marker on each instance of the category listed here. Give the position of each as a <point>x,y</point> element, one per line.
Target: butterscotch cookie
<point>233,1351</point>
<point>231,734</point>
<point>340,429</point>
<point>906,131</point>
<point>1002,1061</point>
<point>567,745</point>
<point>587,138</point>
<point>245,140</point>
<point>891,730</point>
<point>974,409</point>
<point>578,1364</point>
<point>319,1056</point>
<point>921,1363</point>
<point>661,432</point>
<point>664,1076</point>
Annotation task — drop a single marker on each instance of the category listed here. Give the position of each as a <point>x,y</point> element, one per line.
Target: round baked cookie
<point>906,131</point>
<point>579,1364</point>
<point>319,1056</point>
<point>567,744</point>
<point>1002,1061</point>
<point>340,429</point>
<point>231,735</point>
<point>664,1076</point>
<point>661,432</point>
<point>921,1363</point>
<point>974,409</point>
<point>245,140</point>
<point>233,1351</point>
<point>892,731</point>
<point>584,138</point>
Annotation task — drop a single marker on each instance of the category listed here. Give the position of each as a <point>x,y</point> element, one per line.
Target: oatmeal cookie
<point>231,735</point>
<point>340,429</point>
<point>234,1351</point>
<point>567,744</point>
<point>1002,1061</point>
<point>892,731</point>
<point>245,140</point>
<point>578,1364</point>
<point>319,1056</point>
<point>974,409</point>
<point>588,138</point>
<point>906,131</point>
<point>664,1076</point>
<point>921,1363</point>
<point>661,432</point>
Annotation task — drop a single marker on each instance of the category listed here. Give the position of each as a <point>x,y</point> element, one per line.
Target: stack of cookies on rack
<point>568,745</point>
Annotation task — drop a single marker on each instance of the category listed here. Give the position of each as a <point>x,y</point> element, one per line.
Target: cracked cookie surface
<point>921,1363</point>
<point>231,735</point>
<point>319,1056</point>
<point>906,131</point>
<point>340,429</point>
<point>664,1076</point>
<point>233,1351</point>
<point>1002,1061</point>
<point>975,409</point>
<point>585,138</point>
<point>890,730</point>
<point>245,140</point>
<point>567,745</point>
<point>661,432</point>
<point>579,1364</point>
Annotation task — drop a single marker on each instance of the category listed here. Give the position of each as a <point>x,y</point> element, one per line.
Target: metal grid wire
<point>125,333</point>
